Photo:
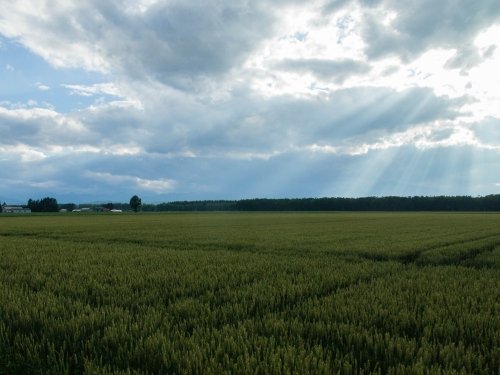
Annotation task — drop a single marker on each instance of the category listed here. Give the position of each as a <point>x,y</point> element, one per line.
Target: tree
<point>46,204</point>
<point>135,203</point>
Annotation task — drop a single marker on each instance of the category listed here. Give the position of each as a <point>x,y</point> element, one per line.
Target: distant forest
<point>391,203</point>
<point>438,203</point>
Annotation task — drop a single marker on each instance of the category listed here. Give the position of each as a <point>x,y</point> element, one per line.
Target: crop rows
<point>260,293</point>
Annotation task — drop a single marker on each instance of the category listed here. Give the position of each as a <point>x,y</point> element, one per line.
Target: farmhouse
<point>16,209</point>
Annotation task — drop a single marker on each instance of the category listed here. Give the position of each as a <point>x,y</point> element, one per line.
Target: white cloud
<point>38,127</point>
<point>419,26</point>
<point>9,68</point>
<point>158,186</point>
<point>21,152</point>
<point>95,89</point>
<point>45,184</point>
<point>423,137</point>
<point>42,87</point>
<point>140,6</point>
<point>165,40</point>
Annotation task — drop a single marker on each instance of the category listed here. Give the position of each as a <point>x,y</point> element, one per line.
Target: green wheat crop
<point>259,293</point>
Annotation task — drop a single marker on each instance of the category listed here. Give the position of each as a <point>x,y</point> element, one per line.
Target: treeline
<point>392,203</point>
<point>220,205</point>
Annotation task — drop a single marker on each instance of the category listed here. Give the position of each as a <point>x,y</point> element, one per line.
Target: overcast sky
<point>219,99</point>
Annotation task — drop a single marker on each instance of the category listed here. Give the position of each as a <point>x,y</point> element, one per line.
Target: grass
<point>260,293</point>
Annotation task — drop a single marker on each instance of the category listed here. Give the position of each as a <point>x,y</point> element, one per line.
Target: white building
<point>16,210</point>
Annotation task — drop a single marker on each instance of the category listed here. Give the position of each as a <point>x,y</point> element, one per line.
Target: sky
<point>217,99</point>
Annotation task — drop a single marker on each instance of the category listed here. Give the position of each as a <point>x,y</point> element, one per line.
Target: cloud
<point>42,87</point>
<point>252,127</point>
<point>361,113</point>
<point>166,41</point>
<point>245,127</point>
<point>488,131</point>
<point>158,186</point>
<point>38,127</point>
<point>334,5</point>
<point>21,152</point>
<point>240,99</point>
<point>95,89</point>
<point>393,171</point>
<point>468,57</point>
<point>338,70</point>
<point>421,25</point>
